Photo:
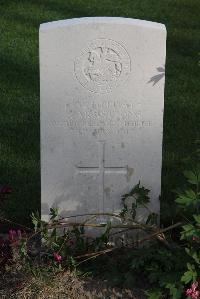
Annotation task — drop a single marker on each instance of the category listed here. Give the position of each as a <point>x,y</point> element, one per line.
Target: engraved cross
<point>101,169</point>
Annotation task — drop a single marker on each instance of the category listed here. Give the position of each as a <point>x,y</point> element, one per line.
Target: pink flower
<point>195,295</point>
<point>12,235</point>
<point>194,286</point>
<point>192,293</point>
<point>57,257</point>
<point>194,238</point>
<point>189,292</point>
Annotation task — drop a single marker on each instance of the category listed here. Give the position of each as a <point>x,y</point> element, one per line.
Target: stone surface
<point>102,100</point>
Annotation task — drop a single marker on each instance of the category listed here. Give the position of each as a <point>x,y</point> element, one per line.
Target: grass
<point>66,285</point>
<point>19,88</point>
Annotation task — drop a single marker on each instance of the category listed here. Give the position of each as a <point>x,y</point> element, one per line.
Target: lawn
<point>19,89</point>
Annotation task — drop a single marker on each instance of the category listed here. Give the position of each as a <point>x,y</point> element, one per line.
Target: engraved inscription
<point>102,65</point>
<point>103,118</point>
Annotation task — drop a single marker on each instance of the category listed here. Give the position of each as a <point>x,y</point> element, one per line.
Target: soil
<point>63,286</point>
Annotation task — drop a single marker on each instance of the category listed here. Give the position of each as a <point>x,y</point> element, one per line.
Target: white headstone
<point>102,100</point>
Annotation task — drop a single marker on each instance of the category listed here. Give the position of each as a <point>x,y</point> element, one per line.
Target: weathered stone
<point>102,100</point>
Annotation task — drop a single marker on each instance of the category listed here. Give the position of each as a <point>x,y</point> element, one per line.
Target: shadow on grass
<point>24,180</point>
<point>52,10</point>
<point>18,74</point>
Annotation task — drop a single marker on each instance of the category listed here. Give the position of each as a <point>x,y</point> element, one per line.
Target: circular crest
<point>102,66</point>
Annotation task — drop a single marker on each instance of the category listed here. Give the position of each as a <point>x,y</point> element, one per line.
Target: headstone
<point>102,100</point>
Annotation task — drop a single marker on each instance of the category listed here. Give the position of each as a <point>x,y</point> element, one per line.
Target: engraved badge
<point>102,66</point>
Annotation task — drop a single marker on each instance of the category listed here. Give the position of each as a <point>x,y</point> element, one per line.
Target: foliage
<point>54,247</point>
<point>186,273</point>
<point>139,197</point>
<point>189,201</point>
<point>168,269</point>
<point>60,246</point>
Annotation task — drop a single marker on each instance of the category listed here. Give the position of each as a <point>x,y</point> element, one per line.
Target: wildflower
<point>192,292</point>
<point>57,257</point>
<point>189,293</point>
<point>12,235</point>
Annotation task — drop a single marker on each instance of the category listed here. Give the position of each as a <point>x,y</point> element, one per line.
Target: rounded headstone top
<point>105,20</point>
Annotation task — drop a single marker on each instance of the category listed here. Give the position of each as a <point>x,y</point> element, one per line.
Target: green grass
<point>19,87</point>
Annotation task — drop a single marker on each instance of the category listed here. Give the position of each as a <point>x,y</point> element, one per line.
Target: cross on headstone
<point>101,169</point>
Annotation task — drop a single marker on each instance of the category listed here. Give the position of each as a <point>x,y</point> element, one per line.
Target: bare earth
<point>64,286</point>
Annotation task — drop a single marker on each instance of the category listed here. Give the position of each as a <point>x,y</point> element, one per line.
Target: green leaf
<point>152,219</point>
<point>184,200</point>
<point>193,253</point>
<point>190,275</point>
<point>188,227</point>
<point>53,213</point>
<point>197,218</point>
<point>192,177</point>
<point>187,277</point>
<point>55,245</point>
<point>175,293</point>
<point>190,193</point>
<point>35,218</point>
<point>154,294</point>
<point>188,231</point>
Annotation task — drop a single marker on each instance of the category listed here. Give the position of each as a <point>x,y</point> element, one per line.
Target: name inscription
<point>103,118</point>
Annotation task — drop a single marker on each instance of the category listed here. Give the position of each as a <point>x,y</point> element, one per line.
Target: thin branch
<point>91,214</point>
<point>160,232</point>
<point>137,226</point>
<point>10,221</point>
<point>94,255</point>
